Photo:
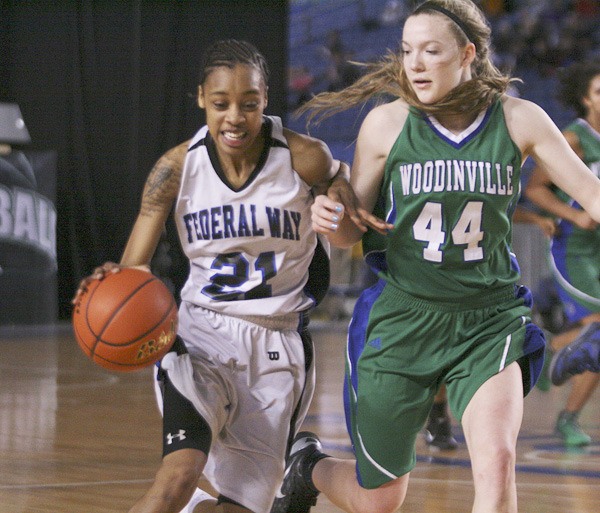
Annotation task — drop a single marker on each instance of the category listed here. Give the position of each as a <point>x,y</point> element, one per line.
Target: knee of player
<point>381,500</point>
<point>386,505</point>
<point>498,468</point>
<point>180,472</point>
<point>180,489</point>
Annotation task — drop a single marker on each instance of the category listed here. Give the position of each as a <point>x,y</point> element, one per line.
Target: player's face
<point>433,61</point>
<point>234,100</point>
<point>592,99</point>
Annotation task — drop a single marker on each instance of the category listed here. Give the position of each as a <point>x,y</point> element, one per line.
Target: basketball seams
<point>135,311</point>
<point>114,313</point>
<point>167,313</point>
<point>129,366</point>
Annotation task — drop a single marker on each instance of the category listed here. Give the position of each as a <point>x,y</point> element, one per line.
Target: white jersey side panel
<point>249,249</point>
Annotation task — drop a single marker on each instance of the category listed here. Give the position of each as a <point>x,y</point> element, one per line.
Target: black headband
<point>431,6</point>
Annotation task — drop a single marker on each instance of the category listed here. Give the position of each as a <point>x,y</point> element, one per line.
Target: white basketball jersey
<point>249,249</point>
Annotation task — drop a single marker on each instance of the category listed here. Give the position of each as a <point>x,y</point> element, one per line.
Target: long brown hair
<point>386,77</point>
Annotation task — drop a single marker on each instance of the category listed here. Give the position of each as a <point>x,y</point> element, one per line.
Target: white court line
<point>469,483</point>
<point>544,457</point>
<point>73,485</point>
<point>465,482</point>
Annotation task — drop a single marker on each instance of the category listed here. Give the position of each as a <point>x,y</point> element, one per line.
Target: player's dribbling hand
<point>99,273</point>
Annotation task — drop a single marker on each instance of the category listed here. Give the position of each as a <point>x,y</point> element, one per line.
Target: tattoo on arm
<point>161,186</point>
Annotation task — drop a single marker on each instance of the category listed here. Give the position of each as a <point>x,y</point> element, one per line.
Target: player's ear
<point>266,97</point>
<point>470,52</point>
<point>201,102</point>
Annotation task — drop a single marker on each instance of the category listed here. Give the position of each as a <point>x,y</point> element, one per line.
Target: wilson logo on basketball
<point>151,347</point>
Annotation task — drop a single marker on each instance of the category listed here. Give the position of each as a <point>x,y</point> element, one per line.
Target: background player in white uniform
<point>239,379</point>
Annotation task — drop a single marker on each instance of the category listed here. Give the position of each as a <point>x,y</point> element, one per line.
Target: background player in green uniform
<point>441,163</point>
<point>575,250</point>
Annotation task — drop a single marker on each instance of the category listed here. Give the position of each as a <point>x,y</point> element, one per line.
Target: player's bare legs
<point>491,424</point>
<point>336,479</point>
<point>174,484</point>
<point>582,388</point>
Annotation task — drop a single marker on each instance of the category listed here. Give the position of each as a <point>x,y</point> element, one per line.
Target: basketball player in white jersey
<point>238,381</point>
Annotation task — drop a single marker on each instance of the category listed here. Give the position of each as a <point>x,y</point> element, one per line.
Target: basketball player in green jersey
<point>575,253</point>
<point>441,163</point>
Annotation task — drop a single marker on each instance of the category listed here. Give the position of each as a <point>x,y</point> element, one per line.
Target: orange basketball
<point>126,321</point>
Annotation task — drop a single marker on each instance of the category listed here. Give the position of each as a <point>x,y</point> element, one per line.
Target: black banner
<point>28,265</point>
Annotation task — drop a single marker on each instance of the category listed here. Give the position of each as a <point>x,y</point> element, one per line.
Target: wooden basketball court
<point>75,438</point>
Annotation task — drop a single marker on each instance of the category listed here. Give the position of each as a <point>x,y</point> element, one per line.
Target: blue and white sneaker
<point>583,354</point>
<point>298,494</point>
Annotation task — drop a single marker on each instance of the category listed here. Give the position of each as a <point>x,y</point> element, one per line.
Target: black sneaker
<point>438,433</point>
<point>583,354</point>
<point>297,493</point>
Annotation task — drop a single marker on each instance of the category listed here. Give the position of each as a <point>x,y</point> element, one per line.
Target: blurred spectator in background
<point>341,72</point>
<point>530,36</point>
<point>494,8</point>
<point>544,35</point>
<point>393,13</point>
<point>300,84</point>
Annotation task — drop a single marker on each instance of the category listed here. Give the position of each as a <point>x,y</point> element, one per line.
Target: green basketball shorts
<point>401,349</point>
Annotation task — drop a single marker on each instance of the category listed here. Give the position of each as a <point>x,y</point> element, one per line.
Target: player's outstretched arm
<point>159,193</point>
<point>345,219</point>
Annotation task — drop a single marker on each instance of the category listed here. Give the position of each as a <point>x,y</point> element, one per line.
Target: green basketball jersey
<point>589,141</point>
<point>582,241</point>
<point>451,200</point>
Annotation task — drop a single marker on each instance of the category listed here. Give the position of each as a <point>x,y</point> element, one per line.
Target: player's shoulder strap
<point>199,138</point>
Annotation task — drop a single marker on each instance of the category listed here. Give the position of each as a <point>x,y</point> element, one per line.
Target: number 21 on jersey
<point>232,285</point>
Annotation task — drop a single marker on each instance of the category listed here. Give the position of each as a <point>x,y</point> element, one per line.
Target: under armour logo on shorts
<point>180,435</point>
<point>273,355</point>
